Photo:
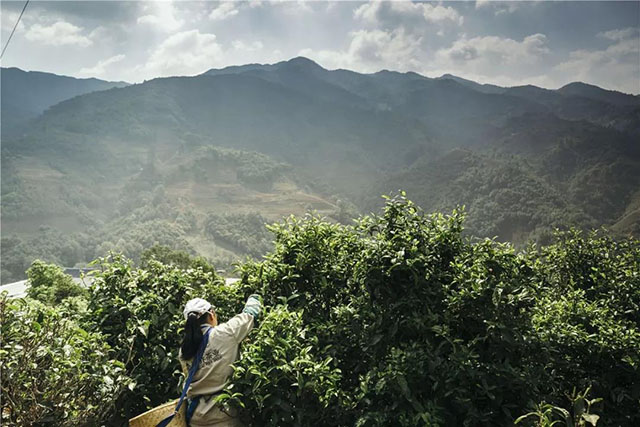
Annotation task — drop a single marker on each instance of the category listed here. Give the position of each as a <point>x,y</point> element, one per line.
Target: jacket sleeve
<point>239,326</point>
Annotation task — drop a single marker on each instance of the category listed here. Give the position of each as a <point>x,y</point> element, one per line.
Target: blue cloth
<point>192,372</point>
<point>191,407</point>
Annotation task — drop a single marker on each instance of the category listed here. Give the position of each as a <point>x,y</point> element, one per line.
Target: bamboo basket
<point>153,416</point>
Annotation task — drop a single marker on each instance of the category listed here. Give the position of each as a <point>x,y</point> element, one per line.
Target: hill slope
<point>203,199</point>
<point>27,94</point>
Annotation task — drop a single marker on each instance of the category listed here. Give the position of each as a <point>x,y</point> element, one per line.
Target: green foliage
<point>548,415</point>
<point>50,285</point>
<point>587,318</point>
<point>133,235</point>
<point>428,328</point>
<point>395,320</point>
<point>252,168</point>
<point>282,378</point>
<point>48,244</point>
<point>506,195</point>
<point>176,258</point>
<point>53,371</point>
<point>245,233</point>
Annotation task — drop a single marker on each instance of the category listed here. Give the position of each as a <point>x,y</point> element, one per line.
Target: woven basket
<point>153,416</point>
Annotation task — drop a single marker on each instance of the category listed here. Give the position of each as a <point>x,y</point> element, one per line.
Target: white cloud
<point>223,11</point>
<point>489,51</point>
<point>149,19</point>
<point>620,34</point>
<point>294,8</point>
<point>162,16</point>
<point>184,53</point>
<point>331,4</point>
<point>99,69</point>
<point>439,14</point>
<point>379,12</point>
<point>509,62</point>
<point>247,47</point>
<point>616,67</point>
<point>491,59</point>
<point>9,19</point>
<point>60,33</point>
<point>372,50</point>
<point>499,7</point>
<point>99,32</point>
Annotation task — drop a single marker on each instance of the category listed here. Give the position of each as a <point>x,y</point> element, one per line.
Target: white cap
<point>196,305</point>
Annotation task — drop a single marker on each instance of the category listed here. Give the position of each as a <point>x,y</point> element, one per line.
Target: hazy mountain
<point>594,92</point>
<point>144,163</point>
<point>336,139</point>
<point>578,101</point>
<point>73,207</point>
<point>535,173</point>
<point>486,88</point>
<point>436,101</point>
<point>27,94</point>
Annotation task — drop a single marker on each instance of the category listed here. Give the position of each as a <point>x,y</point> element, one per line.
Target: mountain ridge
<point>27,94</point>
<point>309,63</point>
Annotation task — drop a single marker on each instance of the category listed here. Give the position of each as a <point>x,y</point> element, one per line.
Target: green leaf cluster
<point>425,327</point>
<point>283,377</point>
<point>53,371</point>
<point>49,284</point>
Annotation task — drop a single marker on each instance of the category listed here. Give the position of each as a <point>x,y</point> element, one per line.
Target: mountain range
<point>200,162</point>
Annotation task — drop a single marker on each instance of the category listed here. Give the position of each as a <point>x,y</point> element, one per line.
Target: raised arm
<point>240,325</point>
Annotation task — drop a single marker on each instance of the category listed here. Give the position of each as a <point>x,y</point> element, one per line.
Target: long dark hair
<point>192,335</point>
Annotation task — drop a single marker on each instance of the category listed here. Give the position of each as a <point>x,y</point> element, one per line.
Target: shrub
<point>429,328</point>
<point>49,284</point>
<point>53,371</point>
<point>282,379</point>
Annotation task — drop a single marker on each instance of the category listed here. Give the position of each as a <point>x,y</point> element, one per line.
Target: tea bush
<point>428,328</point>
<point>283,377</point>
<point>49,284</point>
<point>53,371</point>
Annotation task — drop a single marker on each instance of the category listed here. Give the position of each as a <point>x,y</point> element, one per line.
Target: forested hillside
<point>202,199</point>
<point>199,163</point>
<point>27,94</point>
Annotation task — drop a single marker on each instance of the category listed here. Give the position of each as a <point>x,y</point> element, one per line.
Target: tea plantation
<point>396,320</point>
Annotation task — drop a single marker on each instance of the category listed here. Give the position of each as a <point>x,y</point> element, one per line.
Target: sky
<point>544,43</point>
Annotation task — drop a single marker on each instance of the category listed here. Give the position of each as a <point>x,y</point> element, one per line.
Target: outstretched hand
<point>253,306</point>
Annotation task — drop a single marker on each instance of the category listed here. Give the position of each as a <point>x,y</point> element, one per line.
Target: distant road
<point>19,289</point>
<point>16,289</point>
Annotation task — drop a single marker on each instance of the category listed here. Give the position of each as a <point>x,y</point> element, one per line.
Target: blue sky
<point>548,44</point>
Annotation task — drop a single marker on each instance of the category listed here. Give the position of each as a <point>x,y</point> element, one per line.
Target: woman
<point>221,351</point>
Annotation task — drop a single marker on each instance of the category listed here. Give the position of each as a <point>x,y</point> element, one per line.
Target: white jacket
<point>215,370</point>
